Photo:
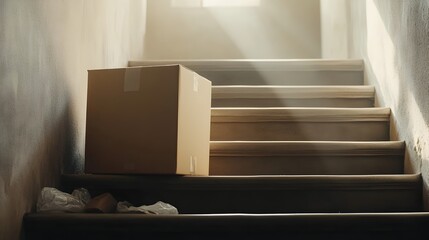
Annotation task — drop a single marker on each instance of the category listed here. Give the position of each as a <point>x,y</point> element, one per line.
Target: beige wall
<point>46,46</point>
<point>334,24</point>
<point>275,29</point>
<point>393,38</point>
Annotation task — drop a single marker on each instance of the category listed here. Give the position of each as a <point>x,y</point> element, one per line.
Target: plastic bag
<point>82,194</point>
<point>52,199</point>
<point>157,208</point>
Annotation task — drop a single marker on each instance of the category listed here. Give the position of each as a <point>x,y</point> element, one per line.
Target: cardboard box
<point>148,120</point>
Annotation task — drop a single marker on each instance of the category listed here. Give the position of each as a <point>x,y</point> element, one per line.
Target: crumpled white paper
<point>52,199</point>
<point>157,208</point>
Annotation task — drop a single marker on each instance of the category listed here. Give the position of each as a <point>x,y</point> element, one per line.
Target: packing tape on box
<point>195,87</point>
<point>132,79</point>
<point>193,165</point>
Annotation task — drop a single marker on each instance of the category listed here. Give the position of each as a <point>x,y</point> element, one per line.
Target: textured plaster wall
<point>46,46</point>
<point>393,39</point>
<point>183,29</point>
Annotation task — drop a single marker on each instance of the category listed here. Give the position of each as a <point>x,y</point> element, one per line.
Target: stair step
<point>272,71</point>
<point>292,96</point>
<point>305,157</point>
<point>261,194</point>
<point>300,124</point>
<point>337,226</point>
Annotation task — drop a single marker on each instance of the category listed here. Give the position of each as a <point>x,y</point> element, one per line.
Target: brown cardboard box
<point>148,120</point>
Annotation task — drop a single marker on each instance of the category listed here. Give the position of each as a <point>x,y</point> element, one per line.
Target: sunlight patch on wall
<point>418,136</point>
<point>409,121</point>
<point>215,3</point>
<point>381,56</point>
<point>185,3</point>
<point>231,3</point>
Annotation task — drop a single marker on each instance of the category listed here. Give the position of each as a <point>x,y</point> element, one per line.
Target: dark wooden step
<point>306,157</point>
<point>261,194</point>
<point>300,124</point>
<point>292,96</point>
<point>272,71</point>
<point>227,226</point>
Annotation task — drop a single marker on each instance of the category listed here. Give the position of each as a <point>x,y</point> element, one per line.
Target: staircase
<point>298,151</point>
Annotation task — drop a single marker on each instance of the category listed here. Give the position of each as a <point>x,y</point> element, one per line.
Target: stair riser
<point>272,72</point>
<point>134,232</point>
<point>300,131</point>
<point>274,200</point>
<point>300,226</point>
<point>261,194</point>
<point>100,231</point>
<point>284,77</point>
<point>305,165</point>
<point>261,102</point>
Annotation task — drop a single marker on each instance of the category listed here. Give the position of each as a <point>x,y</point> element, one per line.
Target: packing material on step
<point>148,120</point>
<point>104,203</point>
<point>159,208</point>
<point>54,200</point>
